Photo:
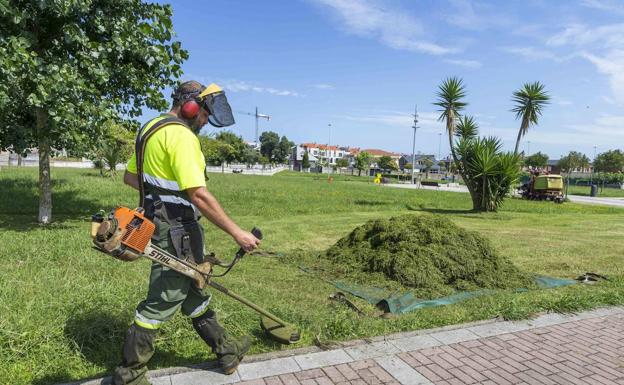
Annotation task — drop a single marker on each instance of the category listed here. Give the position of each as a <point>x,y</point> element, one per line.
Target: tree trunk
<point>45,188</point>
<point>523,128</point>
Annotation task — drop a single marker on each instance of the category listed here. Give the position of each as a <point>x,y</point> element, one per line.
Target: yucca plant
<point>488,173</point>
<point>529,100</point>
<point>450,100</point>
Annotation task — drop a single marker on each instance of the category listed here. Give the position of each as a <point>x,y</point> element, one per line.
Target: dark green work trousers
<point>168,291</point>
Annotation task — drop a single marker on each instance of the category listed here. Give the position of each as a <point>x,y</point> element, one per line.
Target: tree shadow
<point>368,202</point>
<point>19,204</point>
<point>440,211</point>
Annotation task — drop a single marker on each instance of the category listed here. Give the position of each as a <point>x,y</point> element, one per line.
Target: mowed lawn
<point>64,307</point>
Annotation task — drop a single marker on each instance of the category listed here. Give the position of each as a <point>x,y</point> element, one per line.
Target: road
<point>616,202</point>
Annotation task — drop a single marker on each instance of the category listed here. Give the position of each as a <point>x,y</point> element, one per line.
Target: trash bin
<point>594,190</point>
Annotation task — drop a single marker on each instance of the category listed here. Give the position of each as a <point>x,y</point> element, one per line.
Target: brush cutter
<point>126,235</point>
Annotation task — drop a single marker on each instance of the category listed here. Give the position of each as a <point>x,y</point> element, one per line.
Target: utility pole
<point>415,127</point>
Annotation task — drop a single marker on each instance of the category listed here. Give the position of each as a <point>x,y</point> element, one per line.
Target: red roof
<point>377,152</point>
<point>320,146</point>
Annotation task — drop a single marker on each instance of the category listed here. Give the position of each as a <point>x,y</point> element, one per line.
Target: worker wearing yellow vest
<point>169,172</point>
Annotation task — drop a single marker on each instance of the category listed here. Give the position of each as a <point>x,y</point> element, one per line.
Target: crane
<point>257,116</point>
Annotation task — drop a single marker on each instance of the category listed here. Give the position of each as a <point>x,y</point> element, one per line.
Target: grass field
<point>64,307</point>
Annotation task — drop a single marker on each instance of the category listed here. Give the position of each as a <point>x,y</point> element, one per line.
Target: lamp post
<point>439,144</point>
<point>591,174</point>
<point>415,127</point>
<point>329,149</point>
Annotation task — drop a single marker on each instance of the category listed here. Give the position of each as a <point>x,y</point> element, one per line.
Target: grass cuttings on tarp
<point>426,254</point>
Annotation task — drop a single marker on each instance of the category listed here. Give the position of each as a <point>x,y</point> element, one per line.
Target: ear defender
<point>190,109</point>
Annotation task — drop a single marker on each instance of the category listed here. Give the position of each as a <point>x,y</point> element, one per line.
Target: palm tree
<point>529,100</point>
<point>450,95</point>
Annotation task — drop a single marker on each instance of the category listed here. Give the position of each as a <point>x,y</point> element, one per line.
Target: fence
<point>248,170</point>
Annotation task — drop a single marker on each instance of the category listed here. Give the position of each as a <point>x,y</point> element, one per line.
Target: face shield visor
<point>220,112</point>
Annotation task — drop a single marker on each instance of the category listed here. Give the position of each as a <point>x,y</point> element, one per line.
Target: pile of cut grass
<point>425,253</point>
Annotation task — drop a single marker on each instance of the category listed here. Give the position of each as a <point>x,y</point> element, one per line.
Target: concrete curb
<point>381,349</point>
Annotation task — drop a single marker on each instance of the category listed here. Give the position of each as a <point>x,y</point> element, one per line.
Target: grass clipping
<point>428,254</point>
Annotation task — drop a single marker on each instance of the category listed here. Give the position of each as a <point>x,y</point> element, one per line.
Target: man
<point>173,193</point>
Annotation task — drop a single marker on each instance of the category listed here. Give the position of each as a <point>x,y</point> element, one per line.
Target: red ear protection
<point>190,109</point>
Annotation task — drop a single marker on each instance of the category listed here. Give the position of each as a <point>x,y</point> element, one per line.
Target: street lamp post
<point>329,149</point>
<point>591,174</point>
<point>415,127</point>
<point>439,144</point>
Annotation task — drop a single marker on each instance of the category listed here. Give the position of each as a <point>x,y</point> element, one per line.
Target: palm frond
<point>467,127</point>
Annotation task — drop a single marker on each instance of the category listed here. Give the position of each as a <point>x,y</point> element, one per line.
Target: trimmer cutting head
<point>284,334</point>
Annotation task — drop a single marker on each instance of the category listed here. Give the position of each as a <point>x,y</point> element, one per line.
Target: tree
<point>537,160</point>
<point>282,152</point>
<point>529,100</point>
<point>610,161</point>
<point>573,161</point>
<point>251,156</point>
<point>387,163</point>
<point>342,162</point>
<point>67,66</point>
<point>450,99</point>
<point>269,142</point>
<point>305,163</point>
<point>427,163</point>
<point>362,162</point>
<point>116,147</point>
<point>490,172</point>
<point>217,152</point>
<point>238,144</point>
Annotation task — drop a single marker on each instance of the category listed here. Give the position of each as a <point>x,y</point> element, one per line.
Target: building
<point>296,158</point>
<point>377,153</point>
<point>420,162</point>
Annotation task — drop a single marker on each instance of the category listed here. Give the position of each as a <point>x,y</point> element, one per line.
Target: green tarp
<point>401,303</point>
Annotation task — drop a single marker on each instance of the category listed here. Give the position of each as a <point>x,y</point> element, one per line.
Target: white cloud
<point>465,63</point>
<point>561,102</point>
<point>324,86</point>
<point>475,16</point>
<point>605,5</point>
<point>580,35</point>
<point>532,53</point>
<point>602,46</point>
<point>605,131</point>
<point>242,86</point>
<point>392,27</point>
<point>395,119</point>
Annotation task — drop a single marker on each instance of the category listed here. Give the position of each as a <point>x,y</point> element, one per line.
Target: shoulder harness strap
<point>139,148</point>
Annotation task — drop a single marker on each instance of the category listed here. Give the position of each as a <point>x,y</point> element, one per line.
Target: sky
<point>350,72</point>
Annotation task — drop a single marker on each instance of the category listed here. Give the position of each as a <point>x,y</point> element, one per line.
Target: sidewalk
<point>586,348</point>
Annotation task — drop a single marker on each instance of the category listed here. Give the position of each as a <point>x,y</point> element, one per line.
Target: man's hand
<point>246,240</point>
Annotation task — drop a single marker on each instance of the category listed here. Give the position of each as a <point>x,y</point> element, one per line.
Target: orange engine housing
<point>138,229</point>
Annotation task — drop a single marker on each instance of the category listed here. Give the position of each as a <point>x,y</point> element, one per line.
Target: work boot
<point>229,350</point>
<point>137,351</point>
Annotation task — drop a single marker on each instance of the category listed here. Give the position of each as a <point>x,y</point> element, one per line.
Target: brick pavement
<point>587,348</point>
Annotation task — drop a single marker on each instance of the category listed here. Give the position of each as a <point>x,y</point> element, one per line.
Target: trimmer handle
<point>256,233</point>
